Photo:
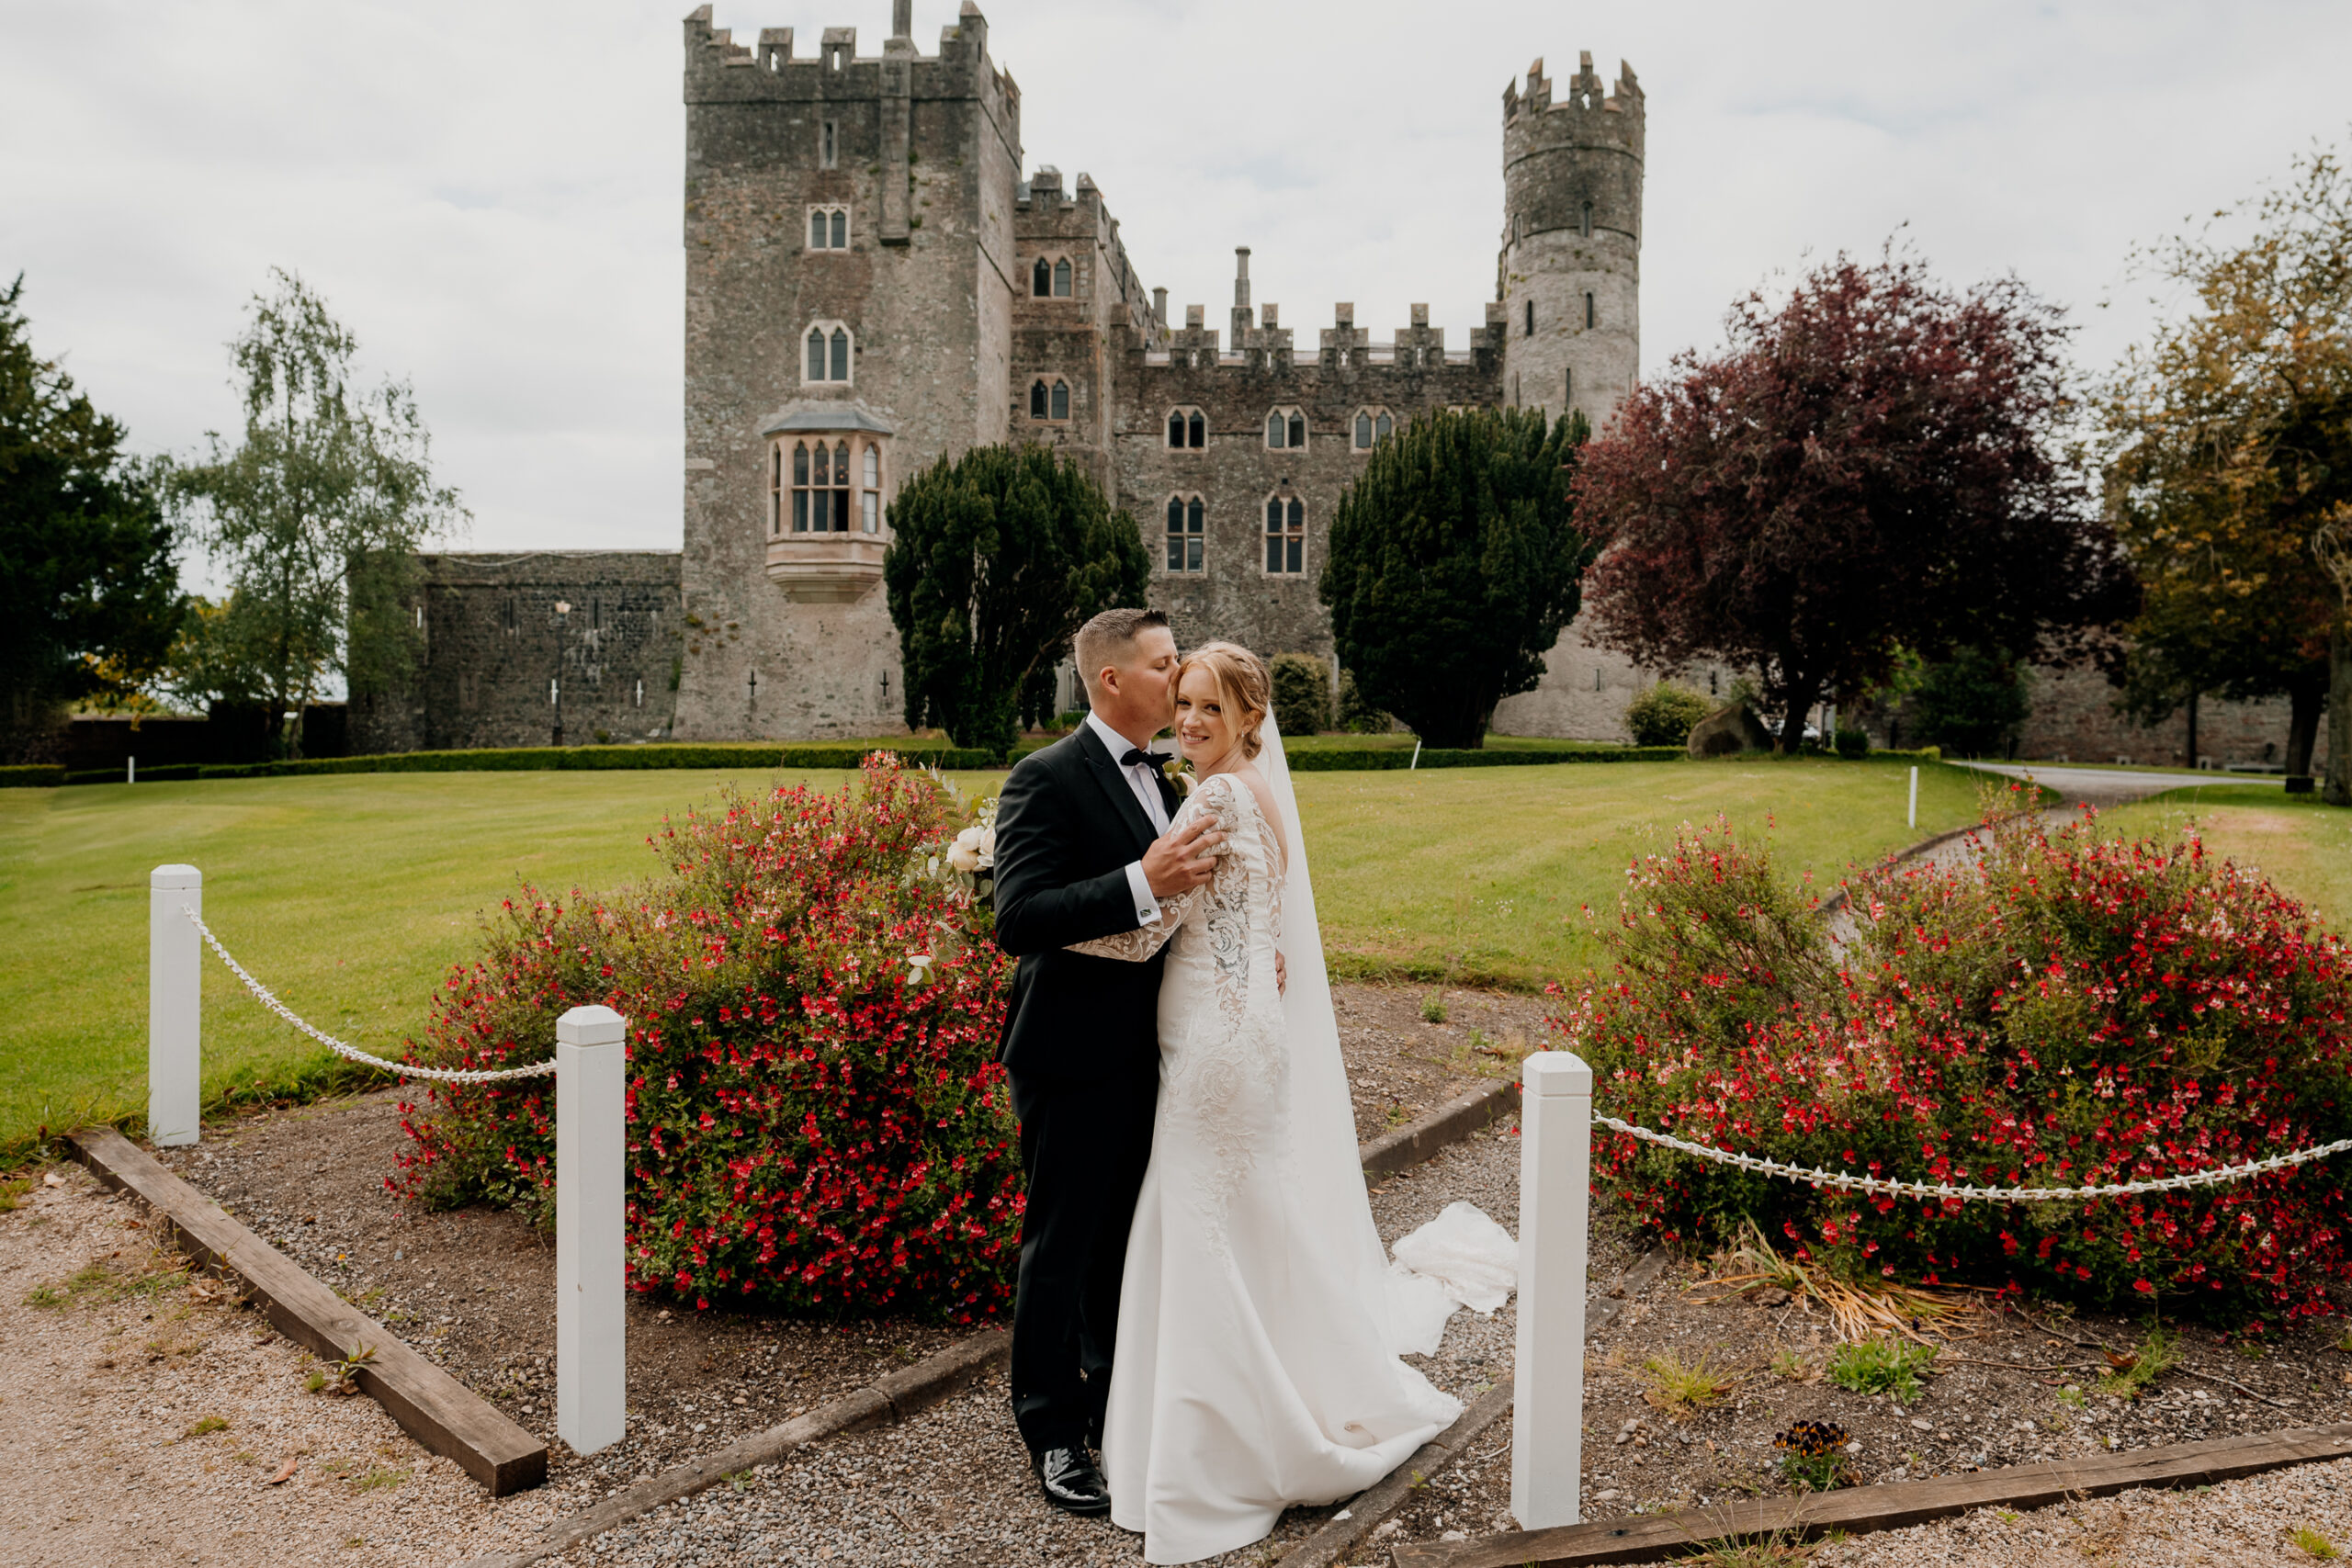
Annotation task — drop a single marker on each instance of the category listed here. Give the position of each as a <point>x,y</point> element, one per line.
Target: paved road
<point>2115,787</point>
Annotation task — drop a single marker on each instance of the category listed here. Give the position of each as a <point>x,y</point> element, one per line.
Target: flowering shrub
<point>2064,1010</point>
<point>816,1118</point>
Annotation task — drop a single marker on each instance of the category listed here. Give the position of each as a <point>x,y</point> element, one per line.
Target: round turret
<point>1570,281</point>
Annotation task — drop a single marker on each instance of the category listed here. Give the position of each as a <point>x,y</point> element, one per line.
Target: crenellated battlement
<point>1585,93</point>
<point>836,70</point>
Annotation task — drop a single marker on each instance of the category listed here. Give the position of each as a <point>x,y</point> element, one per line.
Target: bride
<point>1255,1366</point>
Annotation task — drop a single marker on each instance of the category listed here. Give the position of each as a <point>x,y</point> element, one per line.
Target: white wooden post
<point>1555,1193</point>
<point>175,1005</point>
<point>1914,819</point>
<point>591,1334</point>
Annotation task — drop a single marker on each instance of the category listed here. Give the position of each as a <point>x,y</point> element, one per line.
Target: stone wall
<point>496,653</point>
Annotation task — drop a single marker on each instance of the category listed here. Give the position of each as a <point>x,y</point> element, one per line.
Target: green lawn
<point>2298,843</point>
<point>351,894</point>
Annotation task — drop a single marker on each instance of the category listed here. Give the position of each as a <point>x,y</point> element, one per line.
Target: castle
<point>872,284</point>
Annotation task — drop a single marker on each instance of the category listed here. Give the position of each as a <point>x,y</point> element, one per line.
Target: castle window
<point>1285,536</point>
<point>869,495</point>
<point>829,146</point>
<point>1061,278</point>
<point>1049,397</point>
<point>1285,430</point>
<point>1186,539</point>
<point>1590,319</point>
<point>1041,278</point>
<point>829,227</point>
<point>1568,386</point>
<point>1530,318</point>
<point>1584,221</point>
<point>1186,430</point>
<point>828,354</point>
<point>835,488</point>
<point>1372,425</point>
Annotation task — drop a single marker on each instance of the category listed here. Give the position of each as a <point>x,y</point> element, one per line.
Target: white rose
<point>988,845</point>
<point>963,854</point>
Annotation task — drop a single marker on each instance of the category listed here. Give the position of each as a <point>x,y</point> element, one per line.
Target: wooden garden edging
<point>1864,1509</point>
<point>431,1407</point>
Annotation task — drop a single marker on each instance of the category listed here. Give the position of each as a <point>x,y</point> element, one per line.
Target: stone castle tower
<point>1572,240</point>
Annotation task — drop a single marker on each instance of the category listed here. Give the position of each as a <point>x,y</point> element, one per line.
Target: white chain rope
<point>406,1069</point>
<point>1848,1181</point>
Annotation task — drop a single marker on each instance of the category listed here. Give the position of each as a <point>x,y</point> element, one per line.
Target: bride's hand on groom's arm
<point>1182,858</point>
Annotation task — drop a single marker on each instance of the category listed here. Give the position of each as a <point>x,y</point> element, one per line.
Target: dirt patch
<point>1404,1063</point>
<point>144,1412</point>
<point>2017,1389</point>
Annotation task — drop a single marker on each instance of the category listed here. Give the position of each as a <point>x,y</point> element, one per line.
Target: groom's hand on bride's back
<point>1182,858</point>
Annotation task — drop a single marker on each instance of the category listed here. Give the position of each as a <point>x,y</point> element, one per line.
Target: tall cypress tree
<point>997,557</point>
<point>1454,562</point>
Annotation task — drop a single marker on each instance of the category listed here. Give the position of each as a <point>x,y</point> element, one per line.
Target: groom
<point>1084,849</point>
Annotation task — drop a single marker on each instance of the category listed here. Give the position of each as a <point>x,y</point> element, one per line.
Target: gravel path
<point>952,1487</point>
<point>2239,1524</point>
<point>144,1412</point>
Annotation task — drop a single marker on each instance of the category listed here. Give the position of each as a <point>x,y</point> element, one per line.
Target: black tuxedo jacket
<point>1068,826</point>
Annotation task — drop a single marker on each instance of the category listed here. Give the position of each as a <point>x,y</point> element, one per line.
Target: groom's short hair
<point>1107,638</point>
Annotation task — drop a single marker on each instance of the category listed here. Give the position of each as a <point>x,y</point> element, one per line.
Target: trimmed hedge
<point>1373,760</point>
<point>37,775</point>
<point>592,759</point>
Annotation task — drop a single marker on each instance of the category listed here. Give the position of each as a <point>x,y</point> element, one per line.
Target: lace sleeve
<point>1136,946</point>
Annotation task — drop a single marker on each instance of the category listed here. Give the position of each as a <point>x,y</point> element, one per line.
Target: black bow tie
<point>1137,757</point>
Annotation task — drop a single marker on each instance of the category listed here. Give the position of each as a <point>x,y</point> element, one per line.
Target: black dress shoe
<point>1071,1482</point>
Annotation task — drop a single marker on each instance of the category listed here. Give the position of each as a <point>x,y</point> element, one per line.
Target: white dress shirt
<point>1146,784</point>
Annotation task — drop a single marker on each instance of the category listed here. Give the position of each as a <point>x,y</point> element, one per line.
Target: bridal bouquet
<point>970,858</point>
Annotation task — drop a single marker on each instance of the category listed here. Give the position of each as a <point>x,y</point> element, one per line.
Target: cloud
<point>490,196</point>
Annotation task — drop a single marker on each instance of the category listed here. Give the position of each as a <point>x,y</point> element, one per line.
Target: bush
<point>1853,741</point>
<point>2063,1010</point>
<point>1973,703</point>
<point>1302,693</point>
<point>812,1125</point>
<point>1664,715</point>
<point>1357,715</point>
<point>33,775</point>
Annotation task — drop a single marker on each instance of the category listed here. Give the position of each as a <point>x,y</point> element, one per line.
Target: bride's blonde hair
<point>1243,686</point>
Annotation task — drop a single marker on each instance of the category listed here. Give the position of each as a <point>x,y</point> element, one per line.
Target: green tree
<point>997,557</point>
<point>316,516</point>
<point>1302,692</point>
<point>1971,702</point>
<point>2228,450</point>
<point>1453,562</point>
<point>86,565</point>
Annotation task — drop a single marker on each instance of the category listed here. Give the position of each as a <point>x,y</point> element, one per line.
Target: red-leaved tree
<point>1866,466</point>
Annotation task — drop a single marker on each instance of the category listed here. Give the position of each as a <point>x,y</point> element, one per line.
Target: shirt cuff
<point>1146,907</point>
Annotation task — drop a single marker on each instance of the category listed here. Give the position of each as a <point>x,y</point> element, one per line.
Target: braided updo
<point>1243,686</point>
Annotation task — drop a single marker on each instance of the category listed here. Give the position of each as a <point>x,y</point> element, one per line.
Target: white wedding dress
<point>1256,1364</point>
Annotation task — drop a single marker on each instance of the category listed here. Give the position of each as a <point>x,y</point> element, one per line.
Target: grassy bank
<point>2298,843</point>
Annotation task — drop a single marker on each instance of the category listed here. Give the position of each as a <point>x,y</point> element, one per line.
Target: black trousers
<point>1083,1149</point>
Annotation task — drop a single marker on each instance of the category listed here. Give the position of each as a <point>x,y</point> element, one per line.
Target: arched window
<point>1285,536</point>
<point>1041,278</point>
<point>1590,317</point>
<point>1061,278</point>
<point>1049,397</point>
<point>1584,221</point>
<point>1186,538</point>
<point>826,485</point>
<point>1285,430</point>
<point>1372,425</point>
<point>1186,430</point>
<point>1175,429</point>
<point>1530,318</point>
<point>829,227</point>
<point>1195,431</point>
<point>1568,386</point>
<point>828,353</point>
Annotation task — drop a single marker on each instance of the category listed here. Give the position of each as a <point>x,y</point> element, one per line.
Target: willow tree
<point>2228,457</point>
<point>315,516</point>
<point>1454,562</point>
<point>996,557</point>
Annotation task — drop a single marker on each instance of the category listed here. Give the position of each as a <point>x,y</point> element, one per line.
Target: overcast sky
<point>489,194</point>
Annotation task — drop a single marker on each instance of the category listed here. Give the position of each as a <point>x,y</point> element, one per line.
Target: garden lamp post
<point>555,687</point>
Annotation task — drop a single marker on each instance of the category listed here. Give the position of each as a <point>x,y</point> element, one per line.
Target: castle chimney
<point>1240,292</point>
<point>902,18</point>
<point>1159,306</point>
